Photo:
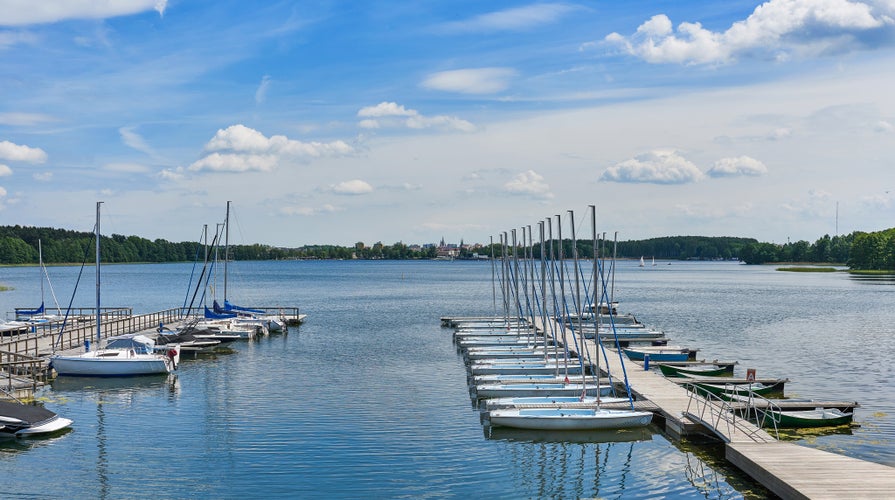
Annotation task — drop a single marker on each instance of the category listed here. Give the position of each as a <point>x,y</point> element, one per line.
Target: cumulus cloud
<point>2,192</point>
<point>171,174</point>
<point>736,167</point>
<point>5,170</point>
<point>776,29</point>
<point>16,152</point>
<point>25,12</point>
<point>391,114</point>
<point>529,183</point>
<point>352,187</point>
<point>656,167</point>
<point>241,149</point>
<point>43,176</point>
<point>471,81</point>
<point>514,19</point>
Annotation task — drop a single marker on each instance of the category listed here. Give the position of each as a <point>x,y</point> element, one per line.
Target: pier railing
<point>719,416</point>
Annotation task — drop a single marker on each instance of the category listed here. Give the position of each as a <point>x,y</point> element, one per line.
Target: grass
<point>809,269</point>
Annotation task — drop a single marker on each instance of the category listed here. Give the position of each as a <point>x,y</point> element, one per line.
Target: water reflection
<point>123,389</point>
<point>594,436</point>
<point>873,279</point>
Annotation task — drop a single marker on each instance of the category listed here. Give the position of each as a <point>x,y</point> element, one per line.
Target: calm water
<point>368,398</point>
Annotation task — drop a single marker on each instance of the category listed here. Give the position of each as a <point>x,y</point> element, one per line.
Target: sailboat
<point>245,315</point>
<point>113,361</point>
<point>642,264</point>
<point>38,314</point>
<point>573,416</point>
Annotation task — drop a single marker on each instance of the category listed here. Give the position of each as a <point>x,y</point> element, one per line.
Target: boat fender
<point>172,354</point>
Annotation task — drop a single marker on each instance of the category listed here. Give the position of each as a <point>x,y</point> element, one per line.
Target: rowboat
<point>727,391</point>
<point>818,417</point>
<point>681,371</point>
<point>666,353</point>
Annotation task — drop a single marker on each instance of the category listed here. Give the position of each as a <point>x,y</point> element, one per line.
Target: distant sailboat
<point>654,262</point>
<point>642,264</point>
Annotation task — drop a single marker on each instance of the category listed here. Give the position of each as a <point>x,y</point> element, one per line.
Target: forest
<point>858,250</point>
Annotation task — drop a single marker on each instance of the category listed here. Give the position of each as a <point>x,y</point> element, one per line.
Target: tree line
<point>859,250</point>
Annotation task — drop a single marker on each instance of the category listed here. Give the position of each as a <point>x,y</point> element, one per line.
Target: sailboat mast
<point>40,260</point>
<point>226,247</point>
<point>597,299</point>
<point>98,315</point>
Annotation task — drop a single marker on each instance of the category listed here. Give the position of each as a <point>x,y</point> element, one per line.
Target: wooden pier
<point>787,469</point>
<point>24,357</point>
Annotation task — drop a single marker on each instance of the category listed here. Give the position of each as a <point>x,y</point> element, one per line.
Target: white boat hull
<point>533,389</point>
<point>104,363</point>
<point>568,419</point>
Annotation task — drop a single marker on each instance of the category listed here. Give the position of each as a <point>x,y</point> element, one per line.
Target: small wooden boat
<point>704,371</point>
<point>665,353</point>
<point>728,391</point>
<point>818,417</point>
<point>568,419</point>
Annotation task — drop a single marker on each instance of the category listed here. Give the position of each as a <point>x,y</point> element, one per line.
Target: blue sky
<point>336,122</point>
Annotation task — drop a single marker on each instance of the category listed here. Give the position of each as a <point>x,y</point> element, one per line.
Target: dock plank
<point>794,471</point>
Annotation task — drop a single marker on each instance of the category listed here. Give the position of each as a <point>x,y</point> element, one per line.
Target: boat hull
<point>568,419</point>
<point>680,371</point>
<point>82,366</point>
<point>807,418</point>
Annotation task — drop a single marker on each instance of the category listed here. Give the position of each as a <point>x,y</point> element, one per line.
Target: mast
<point>226,247</point>
<point>597,299</point>
<point>98,315</point>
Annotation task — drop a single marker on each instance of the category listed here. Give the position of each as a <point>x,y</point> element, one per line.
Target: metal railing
<point>717,414</point>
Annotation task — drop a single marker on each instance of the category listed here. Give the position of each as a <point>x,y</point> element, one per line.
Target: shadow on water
<point>595,436</point>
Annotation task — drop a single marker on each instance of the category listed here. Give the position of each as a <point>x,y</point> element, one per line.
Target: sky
<point>335,122</point>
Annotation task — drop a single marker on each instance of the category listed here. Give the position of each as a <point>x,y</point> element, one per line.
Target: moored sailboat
<point>113,361</point>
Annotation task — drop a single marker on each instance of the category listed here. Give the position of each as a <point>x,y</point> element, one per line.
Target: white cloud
<point>15,152</point>
<point>471,81</point>
<point>735,167</point>
<point>241,149</point>
<point>23,119</point>
<point>818,203</point>
<point>529,183</point>
<point>43,176</point>
<point>25,12</point>
<point>884,126</point>
<point>171,174</point>
<point>309,211</point>
<point>352,187</point>
<point>391,114</point>
<point>385,109</point>
<point>776,29</point>
<point>135,140</point>
<point>261,92</point>
<point>656,167</point>
<point>128,168</point>
<point>514,19</point>
<point>5,170</point>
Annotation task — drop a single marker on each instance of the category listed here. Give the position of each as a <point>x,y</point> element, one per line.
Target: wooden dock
<point>787,469</point>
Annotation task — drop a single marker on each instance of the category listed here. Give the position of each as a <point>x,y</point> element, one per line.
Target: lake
<point>368,398</point>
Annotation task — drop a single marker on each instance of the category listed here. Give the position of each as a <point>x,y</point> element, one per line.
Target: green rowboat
<point>683,371</point>
<point>819,417</point>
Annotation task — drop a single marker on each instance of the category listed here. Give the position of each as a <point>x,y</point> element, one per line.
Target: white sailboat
<point>572,416</point>
<point>113,361</point>
<point>642,264</point>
